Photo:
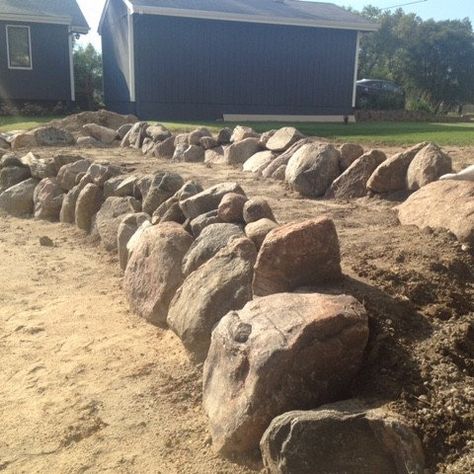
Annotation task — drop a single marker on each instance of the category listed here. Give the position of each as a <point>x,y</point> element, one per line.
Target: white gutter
<point>131,57</point>
<point>51,20</point>
<point>71,67</point>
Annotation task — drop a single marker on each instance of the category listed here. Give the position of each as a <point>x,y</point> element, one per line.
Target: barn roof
<point>285,12</point>
<point>45,11</point>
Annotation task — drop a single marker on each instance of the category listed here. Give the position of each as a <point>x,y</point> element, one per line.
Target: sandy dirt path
<point>85,386</point>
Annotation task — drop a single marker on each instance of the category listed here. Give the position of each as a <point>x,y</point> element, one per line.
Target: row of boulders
<point>236,288</point>
<point>309,166</point>
<point>85,130</point>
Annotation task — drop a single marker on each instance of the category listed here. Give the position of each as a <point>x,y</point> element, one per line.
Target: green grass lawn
<point>8,124</point>
<point>377,133</point>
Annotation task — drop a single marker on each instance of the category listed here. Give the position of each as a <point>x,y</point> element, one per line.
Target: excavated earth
<point>86,386</point>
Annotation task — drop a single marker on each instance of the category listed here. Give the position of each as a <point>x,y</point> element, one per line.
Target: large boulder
<point>68,173</point>
<point>284,157</point>
<point>53,136</point>
<point>214,155</point>
<point>163,186</point>
<point>188,153</point>
<point>127,228</point>
<point>283,139</point>
<point>282,352</point>
<point>258,230</point>
<point>204,220</point>
<point>391,175</point>
<point>256,209</point>
<point>135,136</point>
<point>103,134</point>
<point>241,133</point>
<point>11,160</point>
<point>120,186</point>
<point>11,175</point>
<point>231,208</point>
<point>297,255</point>
<point>212,239</point>
<point>23,140</point>
<point>344,437</point>
<point>40,168</point>
<point>445,204</point>
<point>48,199</point>
<point>222,284</point>
<point>208,200</point>
<point>349,152</point>
<point>429,164</point>
<point>224,136</point>
<point>312,169</point>
<point>258,162</point>
<point>158,133</point>
<point>153,272</point>
<point>352,183</point>
<point>110,216</point>
<point>87,204</point>
<point>61,159</point>
<point>239,152</point>
<point>195,136</point>
<point>18,199</point>
<point>208,143</point>
<point>100,173</point>
<point>164,149</point>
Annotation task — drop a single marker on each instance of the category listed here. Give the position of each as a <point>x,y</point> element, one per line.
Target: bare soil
<point>86,386</point>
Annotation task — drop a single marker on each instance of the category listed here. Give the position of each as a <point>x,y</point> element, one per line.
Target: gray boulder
<point>204,220</point>
<point>195,136</point>
<point>429,164</point>
<point>11,175</point>
<point>48,199</point>
<point>258,162</point>
<point>87,204</point>
<point>128,226</point>
<point>123,130</point>
<point>17,200</point>
<point>258,230</point>
<point>283,139</point>
<point>281,352</point>
<point>215,155</point>
<point>256,209</point>
<point>352,183</point>
<point>349,152</point>
<point>188,154</point>
<point>224,136</point>
<point>101,173</point>
<point>163,186</point>
<point>208,143</point>
<point>211,239</point>
<point>89,142</point>
<point>241,133</point>
<point>222,284</point>
<point>312,169</point>
<point>165,149</point>
<point>135,136</point>
<point>342,437</point>
<point>53,136</point>
<point>158,133</point>
<point>103,134</point>
<point>153,272</point>
<point>10,160</point>
<point>68,173</point>
<point>120,186</point>
<point>239,152</point>
<point>39,168</point>
<point>110,215</point>
<point>391,175</point>
<point>208,200</point>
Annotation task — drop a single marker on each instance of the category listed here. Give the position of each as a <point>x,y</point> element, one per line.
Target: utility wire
<point>404,4</point>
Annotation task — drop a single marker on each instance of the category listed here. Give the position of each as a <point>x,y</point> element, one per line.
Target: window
<point>19,47</point>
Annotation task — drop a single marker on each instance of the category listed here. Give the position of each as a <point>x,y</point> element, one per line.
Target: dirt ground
<point>86,386</point>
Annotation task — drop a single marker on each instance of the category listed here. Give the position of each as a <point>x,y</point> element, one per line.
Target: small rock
<point>46,242</point>
<point>283,139</point>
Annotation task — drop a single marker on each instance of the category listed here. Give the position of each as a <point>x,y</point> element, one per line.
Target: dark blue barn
<point>36,38</point>
<point>231,59</point>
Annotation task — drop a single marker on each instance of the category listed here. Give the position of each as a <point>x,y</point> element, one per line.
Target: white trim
<point>131,57</point>
<point>209,15</point>
<point>285,118</point>
<point>50,20</point>
<point>30,67</point>
<point>356,69</point>
<point>71,67</point>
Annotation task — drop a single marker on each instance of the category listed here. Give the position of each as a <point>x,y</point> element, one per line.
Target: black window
<point>19,47</point>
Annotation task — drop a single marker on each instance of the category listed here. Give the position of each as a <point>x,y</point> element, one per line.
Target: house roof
<point>65,12</point>
<point>285,12</point>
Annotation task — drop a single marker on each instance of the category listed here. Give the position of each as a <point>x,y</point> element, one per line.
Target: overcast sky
<point>438,9</point>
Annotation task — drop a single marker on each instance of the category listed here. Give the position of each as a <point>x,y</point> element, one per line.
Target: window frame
<point>7,36</point>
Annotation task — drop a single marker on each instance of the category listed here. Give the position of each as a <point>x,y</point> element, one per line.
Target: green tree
<point>433,61</point>
<point>88,75</point>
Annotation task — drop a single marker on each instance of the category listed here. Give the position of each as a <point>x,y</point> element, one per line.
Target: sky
<point>437,9</point>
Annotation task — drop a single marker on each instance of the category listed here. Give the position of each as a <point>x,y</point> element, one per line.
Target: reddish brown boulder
<point>279,353</point>
<point>231,208</point>
<point>153,272</point>
<point>296,255</point>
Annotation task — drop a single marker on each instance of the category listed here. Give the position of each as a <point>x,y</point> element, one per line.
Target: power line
<point>404,4</point>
